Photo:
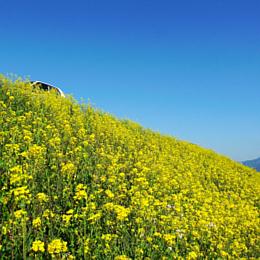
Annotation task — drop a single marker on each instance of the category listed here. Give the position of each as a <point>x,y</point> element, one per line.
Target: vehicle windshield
<point>42,86</point>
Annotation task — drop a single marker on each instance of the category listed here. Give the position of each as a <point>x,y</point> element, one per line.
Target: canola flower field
<point>77,183</point>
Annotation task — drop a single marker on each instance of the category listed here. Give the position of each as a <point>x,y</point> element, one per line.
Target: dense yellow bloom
<point>36,150</point>
<point>80,194</point>
<point>109,187</point>
<point>169,238</point>
<point>54,142</point>
<point>38,246</point>
<point>57,246</point>
<point>17,169</point>
<point>21,193</point>
<point>17,178</point>
<point>121,212</point>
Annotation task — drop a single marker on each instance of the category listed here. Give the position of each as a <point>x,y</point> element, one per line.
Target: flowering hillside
<point>77,183</point>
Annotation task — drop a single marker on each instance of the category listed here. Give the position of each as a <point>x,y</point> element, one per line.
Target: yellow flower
<point>80,192</point>
<point>17,169</point>
<point>149,239</point>
<point>223,253</point>
<point>157,234</point>
<point>38,246</point>
<point>20,213</point>
<point>48,214</point>
<point>86,245</point>
<point>121,212</point>
<point>66,219</point>
<point>192,255</point>
<point>106,237</point>
<point>17,178</point>
<point>94,217</point>
<point>70,211</point>
<point>11,98</point>
<point>68,169</point>
<point>54,142</point>
<point>21,192</point>
<point>110,194</point>
<point>37,222</point>
<point>57,246</point>
<point>139,251</point>
<point>4,230</point>
<point>122,257</point>
<point>42,197</point>
<point>169,238</point>
<point>36,150</point>
<point>103,178</point>
<point>92,137</point>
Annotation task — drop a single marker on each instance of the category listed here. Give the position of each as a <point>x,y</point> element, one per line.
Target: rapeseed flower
<point>21,193</point>
<point>109,194</point>
<point>122,257</point>
<point>80,192</point>
<point>19,214</point>
<point>68,169</point>
<point>57,246</point>
<point>38,246</point>
<point>86,246</point>
<point>42,197</point>
<point>121,212</point>
<point>37,222</point>
<point>94,217</point>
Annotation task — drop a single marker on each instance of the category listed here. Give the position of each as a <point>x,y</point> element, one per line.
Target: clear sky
<point>186,68</point>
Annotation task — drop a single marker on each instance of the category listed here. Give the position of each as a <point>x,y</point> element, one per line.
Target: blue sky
<point>186,68</point>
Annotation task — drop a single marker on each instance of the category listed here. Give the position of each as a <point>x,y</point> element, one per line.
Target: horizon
<point>189,70</point>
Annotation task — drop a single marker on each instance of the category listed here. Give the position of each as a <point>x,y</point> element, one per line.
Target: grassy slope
<point>111,189</point>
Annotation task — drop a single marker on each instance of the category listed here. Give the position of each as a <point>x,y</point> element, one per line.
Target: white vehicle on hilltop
<point>47,87</point>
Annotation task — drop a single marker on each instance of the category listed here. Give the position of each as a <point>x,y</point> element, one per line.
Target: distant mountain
<point>253,163</point>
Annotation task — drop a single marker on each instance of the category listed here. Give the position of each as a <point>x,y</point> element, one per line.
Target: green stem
<point>24,239</point>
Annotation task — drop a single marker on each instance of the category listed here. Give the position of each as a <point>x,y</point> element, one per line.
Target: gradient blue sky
<point>186,68</point>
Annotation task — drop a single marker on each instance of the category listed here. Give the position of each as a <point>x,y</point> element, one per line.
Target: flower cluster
<point>38,246</point>
<point>57,246</point>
